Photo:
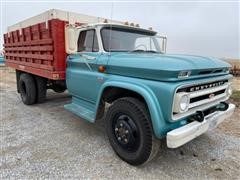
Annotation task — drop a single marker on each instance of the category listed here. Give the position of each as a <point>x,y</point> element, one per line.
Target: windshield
<point>130,40</point>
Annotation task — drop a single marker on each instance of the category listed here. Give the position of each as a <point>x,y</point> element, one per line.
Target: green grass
<point>236,95</point>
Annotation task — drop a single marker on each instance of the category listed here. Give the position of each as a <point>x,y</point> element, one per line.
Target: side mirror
<point>162,43</point>
<point>70,39</point>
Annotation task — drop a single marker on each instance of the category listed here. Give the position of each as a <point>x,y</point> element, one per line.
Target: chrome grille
<point>203,95</point>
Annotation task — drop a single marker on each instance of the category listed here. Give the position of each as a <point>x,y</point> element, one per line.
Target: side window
<point>87,41</point>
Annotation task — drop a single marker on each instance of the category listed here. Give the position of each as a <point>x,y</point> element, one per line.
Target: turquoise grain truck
<point>151,95</point>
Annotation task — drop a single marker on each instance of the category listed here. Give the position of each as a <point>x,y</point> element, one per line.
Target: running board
<point>82,109</point>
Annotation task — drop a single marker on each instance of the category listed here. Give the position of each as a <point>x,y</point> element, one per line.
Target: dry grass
<point>236,95</point>
<point>235,63</point>
<point>235,98</point>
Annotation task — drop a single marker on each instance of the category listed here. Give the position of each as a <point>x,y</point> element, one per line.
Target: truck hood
<point>164,67</point>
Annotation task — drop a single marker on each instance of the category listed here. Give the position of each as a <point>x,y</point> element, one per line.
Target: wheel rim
<point>126,132</point>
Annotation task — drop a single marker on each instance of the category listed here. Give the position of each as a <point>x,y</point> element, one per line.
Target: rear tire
<point>41,84</point>
<point>130,131</point>
<point>27,89</point>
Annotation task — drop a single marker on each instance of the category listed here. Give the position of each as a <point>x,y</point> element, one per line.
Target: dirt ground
<point>236,83</point>
<point>46,141</point>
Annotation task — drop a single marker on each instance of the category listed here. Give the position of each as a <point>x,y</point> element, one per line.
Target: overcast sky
<point>201,28</point>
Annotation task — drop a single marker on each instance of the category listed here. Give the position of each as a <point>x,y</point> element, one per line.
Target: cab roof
<point>115,25</point>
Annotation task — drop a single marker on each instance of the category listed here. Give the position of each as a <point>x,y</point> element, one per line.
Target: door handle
<point>85,58</point>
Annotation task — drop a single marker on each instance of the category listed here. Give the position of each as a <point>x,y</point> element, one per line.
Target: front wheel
<point>130,131</point>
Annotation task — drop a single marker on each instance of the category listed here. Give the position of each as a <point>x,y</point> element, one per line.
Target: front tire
<point>130,131</point>
<point>27,89</point>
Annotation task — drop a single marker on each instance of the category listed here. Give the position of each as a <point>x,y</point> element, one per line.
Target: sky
<point>194,27</point>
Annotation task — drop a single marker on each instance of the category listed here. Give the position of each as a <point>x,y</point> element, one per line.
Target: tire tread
<point>152,145</point>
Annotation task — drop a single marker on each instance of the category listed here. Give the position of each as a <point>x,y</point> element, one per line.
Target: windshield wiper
<point>152,51</point>
<point>137,50</point>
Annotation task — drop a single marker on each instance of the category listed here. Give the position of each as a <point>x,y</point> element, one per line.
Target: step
<point>80,110</point>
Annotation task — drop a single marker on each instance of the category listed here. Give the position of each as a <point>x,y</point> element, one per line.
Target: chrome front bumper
<point>184,134</point>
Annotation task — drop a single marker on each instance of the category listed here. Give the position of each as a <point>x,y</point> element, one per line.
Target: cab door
<point>82,67</point>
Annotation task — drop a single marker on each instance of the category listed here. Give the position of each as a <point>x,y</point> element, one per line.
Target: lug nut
<point>116,129</point>
<point>119,138</point>
<point>126,131</point>
<point>126,140</point>
<point>121,124</point>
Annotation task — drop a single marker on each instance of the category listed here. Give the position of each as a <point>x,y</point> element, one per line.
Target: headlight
<point>184,102</point>
<point>181,102</point>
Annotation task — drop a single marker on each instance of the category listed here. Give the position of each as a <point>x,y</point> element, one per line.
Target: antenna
<point>110,35</point>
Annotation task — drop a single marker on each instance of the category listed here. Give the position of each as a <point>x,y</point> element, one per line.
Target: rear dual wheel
<point>27,89</point>
<point>32,89</point>
<point>41,86</point>
<point>130,131</point>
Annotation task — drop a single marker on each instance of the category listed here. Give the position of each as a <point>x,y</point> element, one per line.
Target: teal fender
<point>158,122</point>
<point>158,97</point>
